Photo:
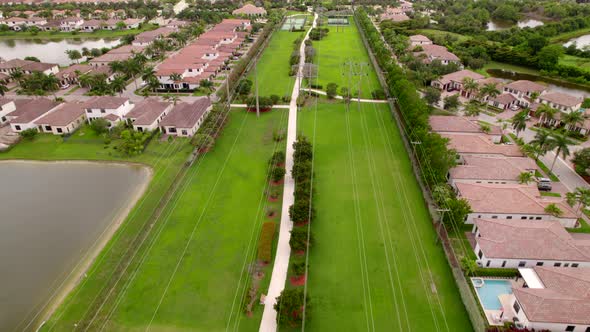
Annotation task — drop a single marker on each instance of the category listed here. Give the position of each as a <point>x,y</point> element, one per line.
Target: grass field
<point>575,61</point>
<point>374,260</point>
<point>273,66</point>
<point>79,35</point>
<point>186,276</point>
<point>337,48</point>
<point>434,33</point>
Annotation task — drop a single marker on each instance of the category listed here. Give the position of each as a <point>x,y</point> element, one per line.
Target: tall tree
<point>470,86</point>
<point>573,119</point>
<point>176,77</point>
<point>561,143</point>
<point>74,55</point>
<point>545,113</point>
<point>580,198</point>
<point>543,141</point>
<point>519,122</point>
<point>118,84</point>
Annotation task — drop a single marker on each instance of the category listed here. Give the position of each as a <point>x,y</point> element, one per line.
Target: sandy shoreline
<point>76,275</point>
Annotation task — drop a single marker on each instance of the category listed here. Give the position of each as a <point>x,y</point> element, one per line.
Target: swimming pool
<point>490,290</point>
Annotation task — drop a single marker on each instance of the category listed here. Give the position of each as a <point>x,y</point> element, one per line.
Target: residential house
<point>552,299</point>
<point>29,111</point>
<point>513,202</point>
<point>100,107</point>
<point>65,119</point>
<point>147,37</point>
<point>107,58</point>
<point>460,125</point>
<point>561,101</point>
<point>16,23</point>
<point>503,102</point>
<point>147,114</point>
<point>91,25</point>
<point>406,6</point>
<point>71,74</point>
<point>501,243</point>
<point>524,90</point>
<point>454,81</point>
<point>418,40</point>
<point>6,106</point>
<point>481,145</point>
<point>432,52</point>
<point>491,170</point>
<point>394,14</point>
<point>70,24</point>
<point>28,67</point>
<point>185,119</point>
<point>250,10</point>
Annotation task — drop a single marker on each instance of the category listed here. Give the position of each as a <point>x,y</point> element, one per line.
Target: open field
<point>575,61</point>
<point>337,48</point>
<point>79,35</point>
<point>435,33</point>
<point>374,263</point>
<point>186,275</point>
<point>273,66</point>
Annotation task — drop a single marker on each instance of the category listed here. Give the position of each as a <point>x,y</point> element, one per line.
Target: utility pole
<point>256,83</point>
<point>440,223</point>
<point>227,88</point>
<point>354,69</point>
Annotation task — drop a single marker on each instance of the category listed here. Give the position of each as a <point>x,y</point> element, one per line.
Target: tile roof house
<point>394,16</point>
<point>71,74</point>
<point>554,299</point>
<point>504,101</point>
<point>502,243</point>
<point>523,90</point>
<point>102,106</point>
<point>65,119</point>
<point>6,106</point>
<point>416,40</point>
<point>27,67</point>
<point>250,10</point>
<point>561,101</point>
<point>481,145</point>
<point>147,114</point>
<point>461,125</point>
<point>185,119</point>
<point>512,201</point>
<point>454,81</point>
<point>28,111</point>
<point>498,170</point>
<point>433,52</point>
<point>147,37</point>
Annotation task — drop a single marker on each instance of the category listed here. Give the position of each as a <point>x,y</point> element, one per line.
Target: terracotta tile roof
<point>38,66</point>
<point>510,198</point>
<point>64,115</point>
<point>438,52</point>
<point>504,98</point>
<point>492,168</point>
<point>185,115</point>
<point>106,102</point>
<point>458,76</point>
<point>526,86</point>
<point>127,49</point>
<point>111,57</point>
<point>480,144</point>
<point>395,17</point>
<point>460,124</point>
<point>561,99</point>
<point>71,71</point>
<point>31,109</point>
<point>4,101</point>
<point>529,239</point>
<point>112,117</point>
<point>564,299</point>
<point>419,38</point>
<point>147,111</point>
<point>249,9</point>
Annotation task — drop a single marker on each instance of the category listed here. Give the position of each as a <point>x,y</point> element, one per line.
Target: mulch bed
<point>262,110</point>
<point>271,199</point>
<point>300,252</point>
<point>298,280</point>
<point>302,223</point>
<point>271,214</point>
<point>277,183</point>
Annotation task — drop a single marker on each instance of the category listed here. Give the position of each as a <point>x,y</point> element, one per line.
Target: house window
<point>521,264</point>
<point>531,218</point>
<point>509,217</point>
<point>523,218</point>
<point>570,327</point>
<point>88,111</point>
<point>47,127</point>
<point>17,127</point>
<point>566,265</point>
<point>516,307</point>
<point>588,329</point>
<point>184,132</point>
<point>59,130</point>
<point>494,217</point>
<point>480,254</point>
<point>102,110</point>
<point>575,264</point>
<point>503,263</point>
<point>539,263</point>
<point>557,264</point>
<point>538,218</point>
<point>488,263</point>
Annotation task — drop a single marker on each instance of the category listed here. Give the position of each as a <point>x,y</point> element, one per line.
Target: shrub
<point>301,171</point>
<point>378,94</point>
<point>298,268</point>
<point>274,192</point>
<point>316,86</point>
<point>303,190</point>
<point>495,272</point>
<point>265,244</point>
<point>278,173</point>
<point>99,126</point>
<point>300,211</point>
<point>289,307</point>
<point>303,149</point>
<point>278,135</point>
<point>275,99</point>
<point>331,90</point>
<point>298,241</point>
<point>286,99</point>
<point>277,158</point>
<point>29,134</point>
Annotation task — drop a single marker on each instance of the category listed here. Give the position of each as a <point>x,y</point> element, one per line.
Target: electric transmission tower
<point>354,70</point>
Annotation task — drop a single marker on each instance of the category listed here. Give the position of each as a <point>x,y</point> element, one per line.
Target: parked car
<point>544,184</point>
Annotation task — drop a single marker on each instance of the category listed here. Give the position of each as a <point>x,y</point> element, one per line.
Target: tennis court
<point>342,20</point>
<point>294,23</point>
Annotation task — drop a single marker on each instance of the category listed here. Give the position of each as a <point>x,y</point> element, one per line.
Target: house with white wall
<point>6,106</point>
<point>28,112</point>
<point>432,52</point>
<point>461,125</point>
<point>491,170</point>
<point>185,119</point>
<point>561,101</point>
<point>147,114</point>
<point>502,243</point>
<point>418,40</point>
<point>524,90</point>
<point>454,81</point>
<point>516,202</point>
<point>481,145</point>
<point>65,119</point>
<point>100,107</point>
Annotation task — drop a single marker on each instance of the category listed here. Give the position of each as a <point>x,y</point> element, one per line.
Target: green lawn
<point>78,35</point>
<point>564,37</point>
<point>506,66</point>
<point>336,49</point>
<point>213,224</point>
<point>574,61</point>
<point>374,260</point>
<point>273,66</point>
<point>434,33</point>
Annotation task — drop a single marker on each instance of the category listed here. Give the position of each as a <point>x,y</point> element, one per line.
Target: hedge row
<point>495,272</point>
<point>265,244</point>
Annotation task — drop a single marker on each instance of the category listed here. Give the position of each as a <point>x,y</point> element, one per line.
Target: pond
<point>554,85</point>
<point>581,42</point>
<point>55,217</point>
<point>495,25</point>
<point>51,51</point>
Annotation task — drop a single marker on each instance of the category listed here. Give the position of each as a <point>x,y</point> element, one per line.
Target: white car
<point>65,86</point>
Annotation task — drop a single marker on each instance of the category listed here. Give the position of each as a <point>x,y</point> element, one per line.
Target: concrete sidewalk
<point>281,263</point>
<point>323,93</point>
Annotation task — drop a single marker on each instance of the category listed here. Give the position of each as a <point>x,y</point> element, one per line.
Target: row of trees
<point>430,148</point>
<point>293,302</point>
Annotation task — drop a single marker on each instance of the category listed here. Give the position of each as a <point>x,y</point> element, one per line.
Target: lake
<point>55,217</point>
<point>51,51</point>
<point>495,25</point>
<point>581,41</point>
<point>552,84</point>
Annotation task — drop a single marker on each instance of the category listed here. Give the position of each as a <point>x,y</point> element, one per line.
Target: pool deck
<point>498,317</point>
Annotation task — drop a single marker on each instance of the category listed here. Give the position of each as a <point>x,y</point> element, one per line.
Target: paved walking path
<point>275,106</point>
<point>281,263</point>
<point>323,93</point>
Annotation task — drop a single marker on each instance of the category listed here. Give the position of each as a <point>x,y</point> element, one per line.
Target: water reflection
<point>581,42</point>
<point>495,25</point>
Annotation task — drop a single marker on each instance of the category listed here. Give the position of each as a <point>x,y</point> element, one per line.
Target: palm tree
<point>545,112</point>
<point>553,210</point>
<point>542,140</point>
<point>140,58</point>
<point>153,84</point>
<point>470,86</point>
<point>207,85</point>
<point>489,90</point>
<point>525,177</point>
<point>561,143</point>
<point>472,108</point>
<point>176,77</point>
<point>74,55</point>
<point>519,122</point>
<point>579,197</point>
<point>148,74</point>
<point>118,84</point>
<point>17,75</point>
<point>3,88</point>
<point>572,119</point>
<point>51,83</point>
<point>173,98</point>
<point>117,67</point>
